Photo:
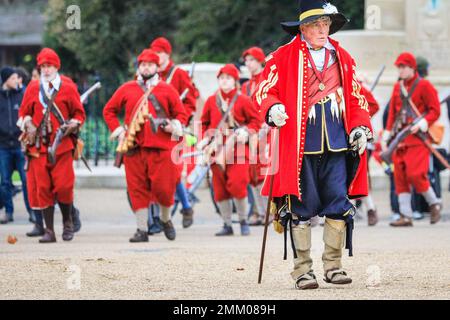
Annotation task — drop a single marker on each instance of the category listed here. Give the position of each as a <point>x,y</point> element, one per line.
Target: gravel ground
<point>100,263</point>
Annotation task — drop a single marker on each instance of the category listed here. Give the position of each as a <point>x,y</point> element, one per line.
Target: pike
<point>191,76</point>
<point>377,79</point>
<point>61,130</point>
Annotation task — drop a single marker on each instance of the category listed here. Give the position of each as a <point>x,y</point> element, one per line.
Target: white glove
<point>177,128</point>
<point>118,134</point>
<point>277,115</point>
<point>241,135</point>
<point>360,143</point>
<point>422,125</point>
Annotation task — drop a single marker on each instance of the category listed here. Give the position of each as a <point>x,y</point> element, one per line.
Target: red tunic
<point>181,81</point>
<point>426,99</point>
<point>150,172</point>
<point>231,183</point>
<point>285,82</point>
<point>68,102</point>
<point>411,159</point>
<point>48,183</point>
<point>244,112</point>
<point>128,95</point>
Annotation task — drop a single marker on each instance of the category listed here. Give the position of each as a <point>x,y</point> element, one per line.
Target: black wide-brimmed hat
<point>311,10</point>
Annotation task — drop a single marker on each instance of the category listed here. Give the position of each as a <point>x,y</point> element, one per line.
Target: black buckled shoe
<point>49,237</point>
<point>225,231</point>
<point>169,230</point>
<point>37,231</point>
<point>188,217</point>
<point>68,234</point>
<point>245,229</point>
<point>139,236</point>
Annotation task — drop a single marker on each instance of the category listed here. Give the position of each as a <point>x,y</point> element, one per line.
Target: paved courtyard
<point>100,263</point>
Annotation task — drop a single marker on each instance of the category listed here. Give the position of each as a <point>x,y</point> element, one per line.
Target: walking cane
<point>269,200</point>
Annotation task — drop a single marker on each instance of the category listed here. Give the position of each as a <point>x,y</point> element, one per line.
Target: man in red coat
<point>254,59</point>
<point>310,94</point>
<point>50,104</point>
<point>411,159</point>
<point>151,173</point>
<point>182,82</point>
<point>230,166</point>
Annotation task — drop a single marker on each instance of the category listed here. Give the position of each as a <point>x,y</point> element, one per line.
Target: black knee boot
<point>76,219</point>
<point>49,235</point>
<point>66,210</point>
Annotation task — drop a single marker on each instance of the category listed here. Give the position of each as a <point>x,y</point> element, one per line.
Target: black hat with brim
<point>313,10</point>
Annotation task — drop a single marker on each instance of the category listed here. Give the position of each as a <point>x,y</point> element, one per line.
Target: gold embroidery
<point>362,102</point>
<point>266,85</point>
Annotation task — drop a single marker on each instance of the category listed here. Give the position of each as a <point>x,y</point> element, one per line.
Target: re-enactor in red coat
<point>310,92</point>
<point>411,159</point>
<point>174,75</point>
<point>231,163</point>
<point>151,173</point>
<point>189,94</point>
<point>50,183</point>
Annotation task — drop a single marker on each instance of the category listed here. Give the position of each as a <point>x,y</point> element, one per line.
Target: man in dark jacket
<point>11,156</point>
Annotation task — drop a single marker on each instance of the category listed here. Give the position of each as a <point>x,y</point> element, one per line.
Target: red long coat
<point>181,81</point>
<point>128,95</point>
<point>426,99</point>
<point>285,81</point>
<point>68,102</point>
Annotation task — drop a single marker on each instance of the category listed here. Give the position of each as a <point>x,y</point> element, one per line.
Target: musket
<point>399,137</point>
<point>214,143</point>
<point>85,95</point>
<point>377,79</point>
<point>425,136</point>
<point>192,70</point>
<point>156,123</point>
<point>52,149</point>
<point>192,154</point>
<point>191,76</point>
<point>60,132</point>
<point>446,99</point>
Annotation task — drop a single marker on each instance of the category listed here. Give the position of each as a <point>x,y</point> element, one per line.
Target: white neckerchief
<point>56,83</point>
<point>319,55</point>
<point>152,82</point>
